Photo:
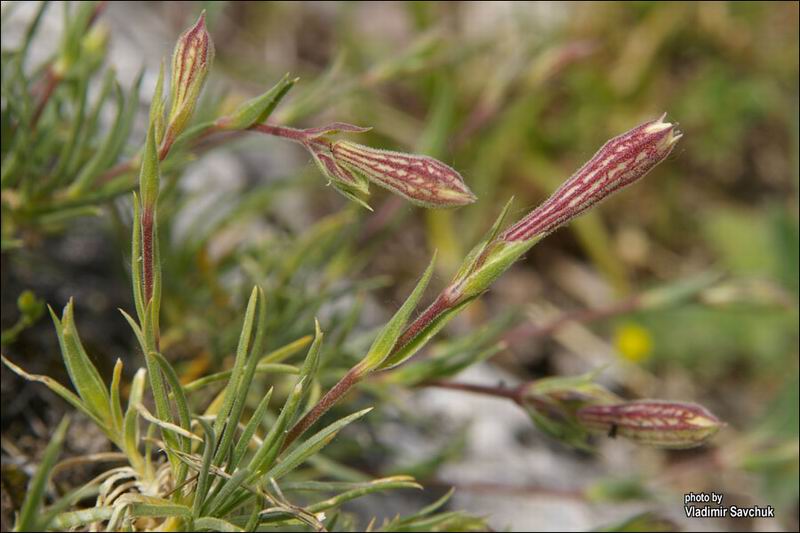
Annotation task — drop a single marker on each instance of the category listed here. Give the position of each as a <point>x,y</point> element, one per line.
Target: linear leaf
<point>58,388</point>
<point>387,338</point>
<point>30,512</point>
<point>84,375</point>
<point>250,429</point>
<point>131,421</point>
<point>226,374</point>
<point>215,524</point>
<point>312,445</point>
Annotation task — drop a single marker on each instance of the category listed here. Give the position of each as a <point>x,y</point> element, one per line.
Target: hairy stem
<point>286,132</point>
<point>331,398</point>
<point>147,252</point>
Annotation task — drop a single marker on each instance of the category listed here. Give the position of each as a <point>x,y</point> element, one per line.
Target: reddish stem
<point>441,304</point>
<point>353,376</point>
<point>51,82</point>
<point>286,132</point>
<point>147,252</point>
<point>513,394</point>
<point>53,79</point>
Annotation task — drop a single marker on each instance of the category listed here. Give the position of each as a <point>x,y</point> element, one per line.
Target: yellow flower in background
<point>633,342</point>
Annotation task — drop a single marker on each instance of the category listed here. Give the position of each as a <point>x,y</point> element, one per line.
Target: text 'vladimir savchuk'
<point>710,506</point>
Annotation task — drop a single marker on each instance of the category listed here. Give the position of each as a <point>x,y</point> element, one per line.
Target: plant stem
<point>51,82</point>
<point>286,132</point>
<point>147,252</point>
<point>353,376</point>
<point>356,374</point>
<point>520,395</point>
<point>513,394</point>
<point>441,304</point>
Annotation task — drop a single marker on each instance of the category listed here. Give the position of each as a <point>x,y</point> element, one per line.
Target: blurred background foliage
<point>515,96</point>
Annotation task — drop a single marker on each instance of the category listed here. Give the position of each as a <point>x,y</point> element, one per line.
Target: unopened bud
<point>421,179</point>
<point>552,404</point>
<point>663,424</point>
<point>191,62</point>
<point>620,162</point>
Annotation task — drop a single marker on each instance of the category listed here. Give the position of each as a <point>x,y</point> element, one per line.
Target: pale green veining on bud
<point>658,423</point>
<point>620,162</point>
<point>422,180</point>
<point>191,62</point>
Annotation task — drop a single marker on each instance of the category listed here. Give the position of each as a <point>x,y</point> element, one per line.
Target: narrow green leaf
<point>421,339</point>
<point>136,329</point>
<point>158,389</point>
<point>157,107</point>
<point>58,388</point>
<point>98,162</point>
<point>387,338</point>
<point>215,524</point>
<point>209,443</point>
<point>160,509</point>
<point>131,421</point>
<point>310,366</point>
<point>30,513</point>
<point>361,489</point>
<point>228,487</point>
<point>115,407</point>
<point>184,418</point>
<point>468,265</point>
<point>76,158</point>
<point>226,374</point>
<point>255,515</point>
<point>269,449</point>
<point>31,31</point>
<point>285,352</point>
<point>311,446</point>
<point>77,122</point>
<point>250,429</point>
<point>168,426</point>
<point>242,374</point>
<point>67,521</point>
<point>82,372</point>
<point>258,109</point>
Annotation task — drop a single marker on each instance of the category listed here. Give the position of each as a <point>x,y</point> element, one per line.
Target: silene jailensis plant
<point>229,466</point>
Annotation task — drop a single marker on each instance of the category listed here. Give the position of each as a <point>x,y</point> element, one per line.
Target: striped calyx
<point>191,62</point>
<point>620,162</point>
<point>420,179</point>
<point>351,185</point>
<point>657,423</point>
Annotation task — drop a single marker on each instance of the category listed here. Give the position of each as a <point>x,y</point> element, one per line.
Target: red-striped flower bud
<point>350,167</point>
<point>421,179</point>
<point>653,422</point>
<point>191,62</point>
<point>620,162</point>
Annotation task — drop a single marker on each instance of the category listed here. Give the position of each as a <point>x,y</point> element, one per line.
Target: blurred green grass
<point>516,97</point>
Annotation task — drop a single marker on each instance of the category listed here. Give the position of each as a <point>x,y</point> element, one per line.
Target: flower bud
<point>350,184</point>
<point>663,424</point>
<point>620,162</point>
<point>552,404</point>
<point>422,180</point>
<point>191,61</point>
